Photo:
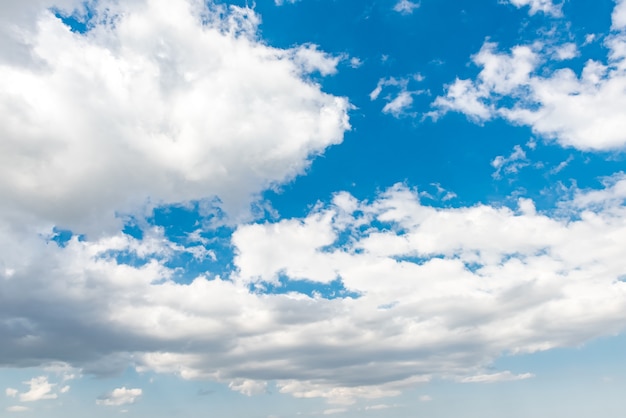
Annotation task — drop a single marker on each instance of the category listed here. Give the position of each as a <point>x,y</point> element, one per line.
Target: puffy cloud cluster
<point>398,104</point>
<point>405,7</point>
<point>39,389</point>
<point>441,293</point>
<point>578,110</point>
<point>159,101</point>
<point>120,396</point>
<point>172,101</point>
<point>545,6</point>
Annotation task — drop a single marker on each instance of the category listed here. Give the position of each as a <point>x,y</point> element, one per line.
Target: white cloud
<point>40,389</point>
<point>161,102</point>
<point>566,52</point>
<point>619,15</point>
<point>497,377</point>
<point>17,408</point>
<point>248,387</point>
<point>405,6</point>
<point>545,6</point>
<point>310,59</point>
<point>461,286</point>
<point>355,62</point>
<point>120,396</point>
<point>425,398</point>
<point>378,407</point>
<point>431,292</point>
<point>333,411</point>
<point>511,164</point>
<point>11,393</point>
<point>397,104</point>
<point>581,111</point>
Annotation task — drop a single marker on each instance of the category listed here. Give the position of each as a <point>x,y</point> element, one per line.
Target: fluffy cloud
<point>398,104</point>
<point>120,396</point>
<point>511,164</point>
<point>405,6</point>
<point>545,6</point>
<point>578,110</point>
<point>161,102</point>
<point>39,389</point>
<point>170,101</point>
<point>432,293</point>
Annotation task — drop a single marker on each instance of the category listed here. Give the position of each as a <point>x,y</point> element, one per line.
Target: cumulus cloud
<point>433,292</point>
<point>619,15</point>
<point>39,389</point>
<point>120,396</point>
<point>577,110</point>
<point>405,6</point>
<point>535,6</point>
<point>159,102</point>
<point>184,102</point>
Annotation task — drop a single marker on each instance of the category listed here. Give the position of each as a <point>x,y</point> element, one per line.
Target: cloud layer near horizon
<point>442,293</point>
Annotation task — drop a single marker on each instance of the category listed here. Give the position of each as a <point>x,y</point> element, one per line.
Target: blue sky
<point>380,208</point>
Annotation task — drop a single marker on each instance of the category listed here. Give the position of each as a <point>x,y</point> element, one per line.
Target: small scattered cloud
<point>120,396</point>
<point>355,62</point>
<point>511,164</point>
<point>398,103</point>
<point>248,387</point>
<point>39,389</point>
<point>333,411</point>
<point>580,109</point>
<point>589,38</point>
<point>381,406</point>
<point>535,6</point>
<point>562,165</point>
<point>506,376</point>
<point>405,7</point>
<point>17,408</point>
<point>425,398</point>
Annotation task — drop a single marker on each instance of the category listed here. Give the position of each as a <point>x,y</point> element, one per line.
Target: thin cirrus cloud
<point>580,111</point>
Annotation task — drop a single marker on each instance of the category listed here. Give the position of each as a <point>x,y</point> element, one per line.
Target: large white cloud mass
<point>441,293</point>
<point>583,110</point>
<point>169,101</point>
<point>162,100</point>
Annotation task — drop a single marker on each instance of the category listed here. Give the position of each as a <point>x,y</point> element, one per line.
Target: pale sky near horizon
<point>354,208</point>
